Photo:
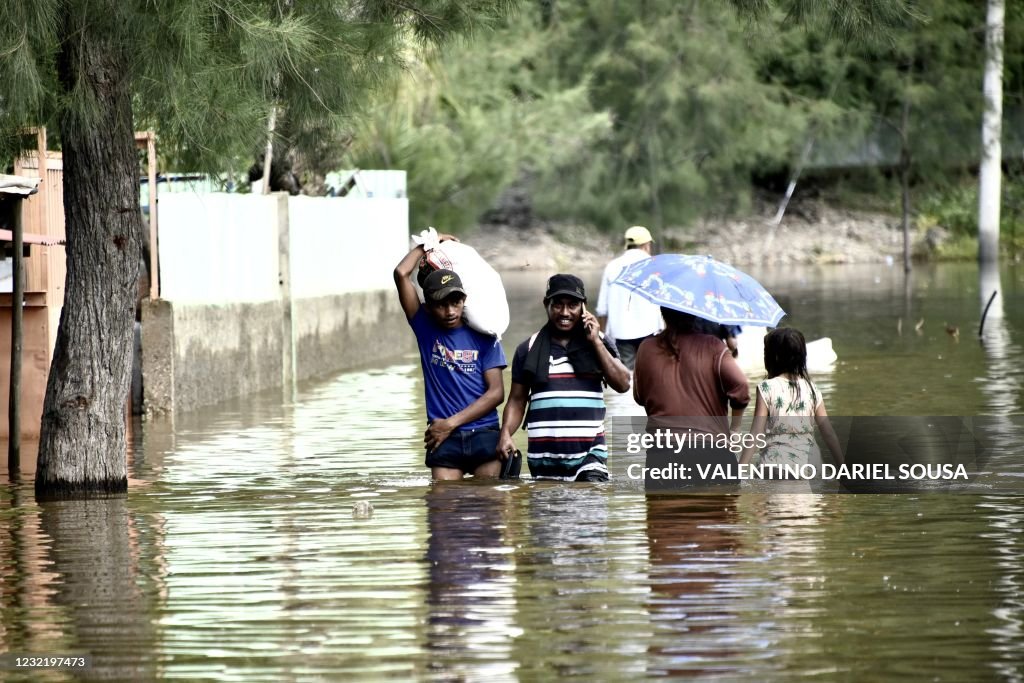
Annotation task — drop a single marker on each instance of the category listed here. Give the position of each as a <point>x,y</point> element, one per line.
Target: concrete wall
<point>260,291</point>
<point>238,344</point>
<point>349,330</point>
<point>195,355</point>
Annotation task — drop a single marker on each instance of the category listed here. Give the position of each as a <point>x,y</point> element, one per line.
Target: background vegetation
<point>661,111</point>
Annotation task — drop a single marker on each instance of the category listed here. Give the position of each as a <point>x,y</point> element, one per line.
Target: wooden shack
<point>44,271</point>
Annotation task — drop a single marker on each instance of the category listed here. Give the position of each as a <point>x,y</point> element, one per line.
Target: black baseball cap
<point>441,284</point>
<point>564,284</point>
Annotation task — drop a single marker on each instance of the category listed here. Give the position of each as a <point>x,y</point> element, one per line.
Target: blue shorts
<point>466,449</point>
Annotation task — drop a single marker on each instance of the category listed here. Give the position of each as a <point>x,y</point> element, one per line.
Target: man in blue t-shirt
<point>461,374</point>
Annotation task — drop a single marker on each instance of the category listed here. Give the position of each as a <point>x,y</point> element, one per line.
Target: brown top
<point>703,381</point>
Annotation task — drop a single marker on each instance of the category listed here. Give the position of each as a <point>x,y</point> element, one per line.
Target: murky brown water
<point>237,556</point>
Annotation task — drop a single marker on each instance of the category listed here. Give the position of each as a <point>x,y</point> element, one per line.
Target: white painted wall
<point>342,244</point>
<point>223,248</point>
<point>218,248</point>
<point>222,301</point>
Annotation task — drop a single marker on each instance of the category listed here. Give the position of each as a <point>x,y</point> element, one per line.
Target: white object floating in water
<point>821,357</point>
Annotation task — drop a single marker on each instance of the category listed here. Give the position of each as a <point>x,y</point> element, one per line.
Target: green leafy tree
<point>894,96</point>
<point>697,103</point>
<point>651,112</point>
<point>692,118</point>
<point>468,122</point>
<point>207,75</point>
<point>919,92</point>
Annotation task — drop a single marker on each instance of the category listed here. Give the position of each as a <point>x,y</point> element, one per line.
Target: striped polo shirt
<point>565,420</point>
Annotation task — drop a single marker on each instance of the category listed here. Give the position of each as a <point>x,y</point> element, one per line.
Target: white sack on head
<point>486,305</point>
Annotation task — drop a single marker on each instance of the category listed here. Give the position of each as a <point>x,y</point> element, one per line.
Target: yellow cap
<point>637,236</point>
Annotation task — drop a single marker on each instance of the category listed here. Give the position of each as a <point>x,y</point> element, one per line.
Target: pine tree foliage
<point>205,74</point>
<point>857,20</point>
<point>691,117</point>
<point>467,123</point>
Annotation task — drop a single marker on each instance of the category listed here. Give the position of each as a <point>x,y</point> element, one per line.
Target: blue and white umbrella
<point>703,287</point>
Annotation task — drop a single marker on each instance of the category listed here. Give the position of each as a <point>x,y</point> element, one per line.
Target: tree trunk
<point>82,439</point>
<point>991,172</point>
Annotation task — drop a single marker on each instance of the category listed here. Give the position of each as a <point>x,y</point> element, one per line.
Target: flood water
<point>240,554</point>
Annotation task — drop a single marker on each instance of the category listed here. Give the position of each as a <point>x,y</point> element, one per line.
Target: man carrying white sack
<point>627,317</point>
<point>462,378</point>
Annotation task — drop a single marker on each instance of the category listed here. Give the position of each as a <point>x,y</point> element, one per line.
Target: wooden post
<point>17,302</point>
<point>148,138</point>
<point>44,187</point>
<point>154,262</point>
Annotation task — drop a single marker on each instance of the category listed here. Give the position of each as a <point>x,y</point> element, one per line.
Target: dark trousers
<point>627,351</point>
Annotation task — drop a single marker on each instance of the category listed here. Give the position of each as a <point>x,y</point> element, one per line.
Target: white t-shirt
<point>630,316</point>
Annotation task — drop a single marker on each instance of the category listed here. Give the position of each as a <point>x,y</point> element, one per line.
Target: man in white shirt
<point>627,317</point>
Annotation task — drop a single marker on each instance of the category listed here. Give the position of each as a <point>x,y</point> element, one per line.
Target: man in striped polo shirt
<point>560,371</point>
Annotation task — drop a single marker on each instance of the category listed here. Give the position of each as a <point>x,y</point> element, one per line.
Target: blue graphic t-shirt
<point>454,362</point>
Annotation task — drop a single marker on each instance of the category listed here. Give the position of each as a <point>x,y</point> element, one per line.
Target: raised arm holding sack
<point>486,308</point>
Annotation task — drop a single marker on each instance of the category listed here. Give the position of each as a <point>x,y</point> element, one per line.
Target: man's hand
<point>506,446</point>
<point>436,433</point>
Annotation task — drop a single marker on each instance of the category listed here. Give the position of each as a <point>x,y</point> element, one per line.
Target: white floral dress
<point>790,427</point>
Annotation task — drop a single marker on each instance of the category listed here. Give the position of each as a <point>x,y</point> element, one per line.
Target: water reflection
<point>29,620</point>
<point>111,587</point>
<point>83,578</point>
<point>581,585</point>
<point>785,536</point>
<point>695,551</point>
<point>471,600</point>
<point>881,596</point>
<point>1006,518</point>
<point>1001,382</point>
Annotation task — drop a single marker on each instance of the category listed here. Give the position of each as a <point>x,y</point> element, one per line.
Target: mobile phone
<point>586,328</point>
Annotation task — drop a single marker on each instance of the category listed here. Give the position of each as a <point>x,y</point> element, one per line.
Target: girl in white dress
<point>789,406</point>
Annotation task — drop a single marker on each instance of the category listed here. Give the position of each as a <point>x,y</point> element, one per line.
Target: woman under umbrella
<point>686,380</point>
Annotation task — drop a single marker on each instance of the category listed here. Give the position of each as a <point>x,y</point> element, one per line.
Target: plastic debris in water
<point>362,509</point>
